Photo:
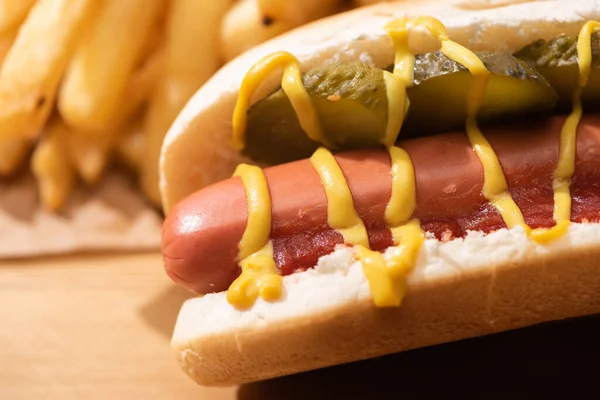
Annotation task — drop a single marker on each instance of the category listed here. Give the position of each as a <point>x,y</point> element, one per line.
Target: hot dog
<point>340,212</point>
<point>202,257</point>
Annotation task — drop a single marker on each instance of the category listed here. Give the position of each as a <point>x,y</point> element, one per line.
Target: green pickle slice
<point>557,61</point>
<point>350,99</point>
<point>438,97</point>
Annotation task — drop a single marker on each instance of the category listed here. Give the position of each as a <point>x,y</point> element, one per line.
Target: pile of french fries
<point>87,84</point>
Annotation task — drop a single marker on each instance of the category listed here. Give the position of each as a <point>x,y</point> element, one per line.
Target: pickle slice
<point>438,97</point>
<point>557,61</point>
<point>350,99</point>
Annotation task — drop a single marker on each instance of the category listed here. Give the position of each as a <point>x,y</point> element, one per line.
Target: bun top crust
<point>197,152</point>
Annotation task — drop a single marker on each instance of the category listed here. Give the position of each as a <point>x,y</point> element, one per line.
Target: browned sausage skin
<point>201,234</point>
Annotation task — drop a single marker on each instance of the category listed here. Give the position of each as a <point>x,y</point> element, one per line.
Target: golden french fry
<point>97,76</point>
<point>13,12</point>
<point>152,43</point>
<point>191,58</point>
<point>132,145</point>
<point>360,3</point>
<point>6,42</point>
<point>13,152</point>
<point>155,38</point>
<point>245,26</point>
<point>137,93</point>
<point>35,63</point>
<point>51,166</point>
<point>297,12</point>
<point>139,88</point>
<point>89,154</point>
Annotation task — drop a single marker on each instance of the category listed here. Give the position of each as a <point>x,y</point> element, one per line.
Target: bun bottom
<point>460,289</point>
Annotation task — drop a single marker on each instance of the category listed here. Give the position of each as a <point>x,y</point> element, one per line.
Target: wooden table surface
<point>98,327</point>
<point>93,327</point>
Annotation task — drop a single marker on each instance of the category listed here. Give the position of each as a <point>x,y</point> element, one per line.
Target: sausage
<point>201,234</point>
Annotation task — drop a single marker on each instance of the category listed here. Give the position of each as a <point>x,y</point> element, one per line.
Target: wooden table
<point>97,327</point>
<point>93,327</point>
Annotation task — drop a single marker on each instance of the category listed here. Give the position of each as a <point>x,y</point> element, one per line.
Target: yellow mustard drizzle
<point>403,199</point>
<point>404,60</point>
<point>397,82</point>
<point>387,274</point>
<point>495,188</point>
<point>260,276</point>
<point>293,87</point>
<point>341,214</point>
<point>386,277</point>
<point>568,138</point>
<point>258,227</point>
<point>397,106</point>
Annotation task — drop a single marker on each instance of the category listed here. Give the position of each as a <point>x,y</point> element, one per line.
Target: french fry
<point>6,42</point>
<point>34,64</point>
<point>132,145</point>
<point>155,38</point>
<point>51,166</point>
<point>12,13</point>
<point>360,3</point>
<point>297,12</point>
<point>245,26</point>
<point>89,154</point>
<point>137,93</point>
<point>13,152</point>
<point>191,58</point>
<point>97,76</point>
<point>139,88</point>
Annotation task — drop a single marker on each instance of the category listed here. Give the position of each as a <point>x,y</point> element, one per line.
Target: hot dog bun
<point>458,289</point>
<point>196,150</point>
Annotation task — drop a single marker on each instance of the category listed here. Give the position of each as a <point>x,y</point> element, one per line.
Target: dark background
<point>552,360</point>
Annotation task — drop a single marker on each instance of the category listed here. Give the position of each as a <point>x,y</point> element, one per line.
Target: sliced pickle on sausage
<point>350,100</point>
<point>557,61</point>
<point>438,97</point>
